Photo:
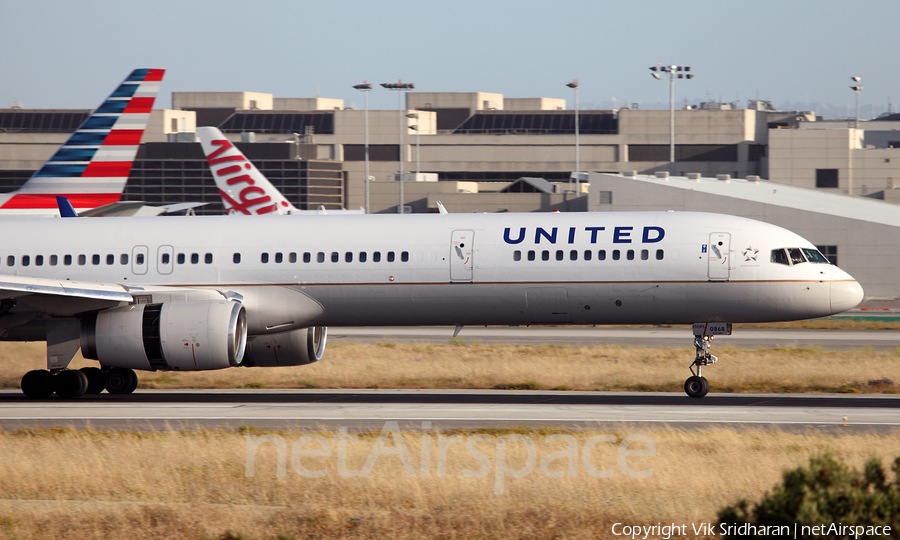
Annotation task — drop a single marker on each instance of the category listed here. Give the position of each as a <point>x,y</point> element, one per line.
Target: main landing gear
<point>72,383</point>
<point>696,385</point>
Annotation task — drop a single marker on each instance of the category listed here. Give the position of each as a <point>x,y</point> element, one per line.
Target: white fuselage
<point>456,269</point>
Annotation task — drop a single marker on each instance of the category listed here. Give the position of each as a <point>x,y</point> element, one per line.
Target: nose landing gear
<point>696,385</point>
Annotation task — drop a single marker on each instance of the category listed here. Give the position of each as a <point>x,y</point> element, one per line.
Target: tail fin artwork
<point>92,167</point>
<point>243,188</point>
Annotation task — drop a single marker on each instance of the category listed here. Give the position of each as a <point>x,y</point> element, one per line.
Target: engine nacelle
<point>184,336</point>
<point>295,348</point>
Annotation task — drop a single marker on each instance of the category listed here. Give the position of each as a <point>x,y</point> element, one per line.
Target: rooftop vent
<point>630,174</point>
<point>753,179</point>
<point>662,174</point>
<point>724,177</point>
<point>693,176</point>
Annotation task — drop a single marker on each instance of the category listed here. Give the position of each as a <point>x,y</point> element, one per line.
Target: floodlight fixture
<point>400,86</point>
<point>680,72</point>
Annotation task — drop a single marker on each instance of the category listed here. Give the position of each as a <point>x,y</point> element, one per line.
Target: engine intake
<point>294,348</point>
<point>185,336</point>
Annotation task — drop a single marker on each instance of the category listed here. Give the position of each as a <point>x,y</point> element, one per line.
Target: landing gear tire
<point>37,384</point>
<point>696,387</point>
<point>95,380</point>
<point>70,384</point>
<point>121,381</point>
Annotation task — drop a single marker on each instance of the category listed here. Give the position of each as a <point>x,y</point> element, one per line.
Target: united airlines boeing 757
<point>211,292</point>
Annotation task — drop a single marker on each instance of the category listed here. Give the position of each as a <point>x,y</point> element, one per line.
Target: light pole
<point>364,88</point>
<point>400,86</point>
<point>574,86</point>
<point>415,128</point>
<point>857,87</point>
<point>681,72</point>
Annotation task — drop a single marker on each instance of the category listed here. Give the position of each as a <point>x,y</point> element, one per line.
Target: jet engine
<point>294,348</point>
<point>185,336</point>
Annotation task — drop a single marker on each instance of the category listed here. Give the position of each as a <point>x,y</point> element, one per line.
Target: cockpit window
<point>814,256</point>
<point>780,257</point>
<point>796,256</point>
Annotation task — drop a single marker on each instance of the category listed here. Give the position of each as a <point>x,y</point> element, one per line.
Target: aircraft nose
<point>845,295</point>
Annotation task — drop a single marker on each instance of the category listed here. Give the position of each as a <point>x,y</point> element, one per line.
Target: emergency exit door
<point>719,254</point>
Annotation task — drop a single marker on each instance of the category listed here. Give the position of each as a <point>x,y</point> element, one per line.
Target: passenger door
<point>461,255</point>
<point>719,256</point>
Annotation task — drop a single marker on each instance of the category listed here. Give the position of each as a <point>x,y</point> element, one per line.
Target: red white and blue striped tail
<point>92,167</point>
<point>243,188</point>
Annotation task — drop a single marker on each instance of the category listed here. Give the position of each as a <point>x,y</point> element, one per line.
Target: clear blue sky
<point>798,53</point>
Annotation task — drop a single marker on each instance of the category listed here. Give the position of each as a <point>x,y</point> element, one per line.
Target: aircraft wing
<point>137,208</point>
<point>63,298</point>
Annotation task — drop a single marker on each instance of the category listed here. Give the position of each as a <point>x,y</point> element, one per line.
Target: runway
<point>450,409</point>
<point>676,337</point>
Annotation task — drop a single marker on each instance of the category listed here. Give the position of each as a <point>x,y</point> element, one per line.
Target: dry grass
<point>71,484</point>
<point>608,368</point>
<point>830,323</point>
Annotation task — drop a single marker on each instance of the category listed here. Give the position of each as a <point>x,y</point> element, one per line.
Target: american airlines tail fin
<point>92,167</point>
<point>243,188</point>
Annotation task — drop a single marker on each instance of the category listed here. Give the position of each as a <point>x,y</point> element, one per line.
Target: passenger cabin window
<point>531,255</point>
<point>236,258</point>
<point>180,258</point>
<point>390,256</point>
<point>545,255</point>
<point>404,257</point>
<point>95,260</point>
<point>110,259</point>
<point>139,259</point>
<point>616,255</point>
<point>264,258</point>
<point>307,257</point>
<point>779,257</point>
<point>11,260</point>
<point>53,260</point>
<point>39,260</point>
<point>195,258</point>
<point>588,254</point>
<point>348,257</point>
<point>279,258</point>
<point>82,260</point>
<point>645,254</point>
<point>208,258</point>
<point>376,256</point>
<point>292,257</point>
<point>517,255</point>
<point>123,258</point>
<point>630,255</point>
<point>362,256</point>
<point>335,256</point>
<point>26,260</point>
<point>601,255</point>
<point>560,255</point>
<point>320,257</point>
<point>660,254</point>
<point>67,260</point>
